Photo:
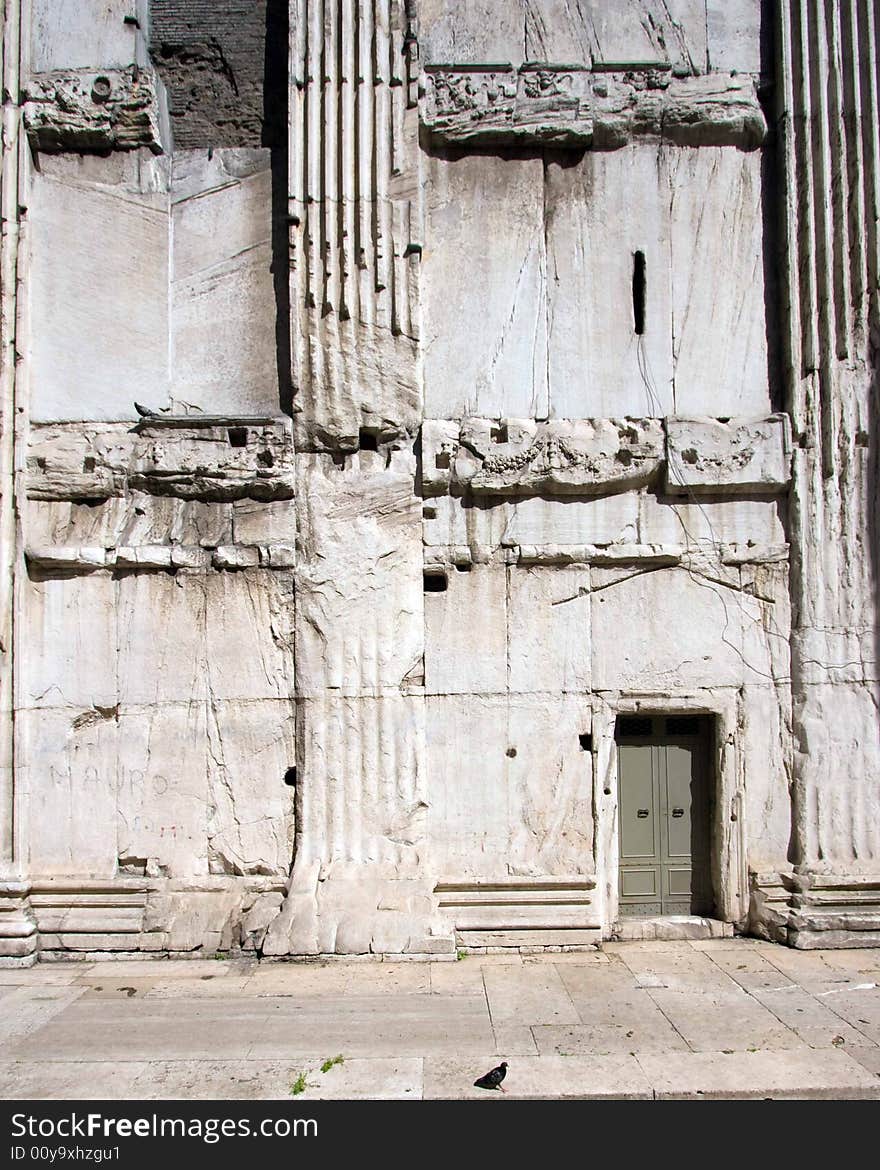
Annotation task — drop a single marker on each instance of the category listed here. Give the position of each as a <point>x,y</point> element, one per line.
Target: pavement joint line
<point>666,1017</point>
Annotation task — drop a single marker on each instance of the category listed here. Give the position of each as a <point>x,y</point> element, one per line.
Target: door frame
<point>727,830</point>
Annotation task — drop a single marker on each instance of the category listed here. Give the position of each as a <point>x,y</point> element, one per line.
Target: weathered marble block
<point>708,455</point>
<point>94,110</point>
<point>568,106</point>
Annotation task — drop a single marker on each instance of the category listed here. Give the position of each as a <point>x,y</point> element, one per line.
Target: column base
<point>816,911</point>
<point>19,939</point>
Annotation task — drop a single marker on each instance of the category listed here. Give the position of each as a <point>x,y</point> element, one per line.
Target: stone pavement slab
<point>26,1010</point>
<point>141,1029</point>
<point>381,1079</point>
<point>540,1077</point>
<point>727,1018</point>
<point>464,978</point>
<point>628,1028</point>
<point>808,1017</point>
<point>859,1005</point>
<point>402,1025</point>
<point>680,970</point>
<point>342,979</point>
<point>715,1022</point>
<point>534,994</point>
<point>800,1073</point>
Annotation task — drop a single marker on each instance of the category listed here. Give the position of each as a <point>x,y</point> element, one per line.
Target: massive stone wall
<point>339,671</point>
<point>212,57</point>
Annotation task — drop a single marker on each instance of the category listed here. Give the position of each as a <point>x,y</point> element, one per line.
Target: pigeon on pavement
<point>493,1078</point>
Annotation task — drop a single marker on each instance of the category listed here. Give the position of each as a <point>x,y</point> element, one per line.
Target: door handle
<point>678,812</point>
<point>642,812</point>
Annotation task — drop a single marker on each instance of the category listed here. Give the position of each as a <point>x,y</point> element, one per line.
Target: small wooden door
<point>664,815</point>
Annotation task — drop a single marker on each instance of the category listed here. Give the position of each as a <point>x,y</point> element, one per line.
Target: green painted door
<point>664,815</point>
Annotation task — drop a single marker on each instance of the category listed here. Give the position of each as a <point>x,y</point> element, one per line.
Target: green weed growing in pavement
<point>299,1085</point>
<point>328,1064</point>
<point>460,955</point>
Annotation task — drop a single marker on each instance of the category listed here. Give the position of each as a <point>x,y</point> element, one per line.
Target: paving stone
<point>570,958</point>
<point>48,974</point>
<point>678,970</point>
<point>161,968</point>
<point>398,1079</point>
<point>628,1029</point>
<point>711,1022</point>
<point>805,966</point>
<point>28,1009</point>
<point>73,1080</point>
<point>402,1025</point>
<point>750,969</point>
<point>816,1024</point>
<point>802,1073</point>
<point>463,978</point>
<point>202,988</point>
<point>98,987</point>
<point>536,994</point>
<point>868,1056</point>
<point>856,962</point>
<point>858,1005</point>
<point>594,982</point>
<point>127,1029</point>
<point>539,1077</point>
<point>342,979</point>
<point>514,1040</point>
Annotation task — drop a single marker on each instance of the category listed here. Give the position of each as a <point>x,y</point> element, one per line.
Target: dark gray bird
<point>493,1078</point>
<point>144,411</point>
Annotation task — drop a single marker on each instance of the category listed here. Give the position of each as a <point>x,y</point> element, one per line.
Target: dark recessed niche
<point>290,777</point>
<point>463,568</point>
<point>367,440</point>
<point>429,513</point>
<point>639,291</point>
<point>237,436</point>
<point>435,582</point>
<point>586,741</point>
<point>511,753</point>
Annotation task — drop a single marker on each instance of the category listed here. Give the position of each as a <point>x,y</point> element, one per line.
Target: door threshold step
<point>669,928</point>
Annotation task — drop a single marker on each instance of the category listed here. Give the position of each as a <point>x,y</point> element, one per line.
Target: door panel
<point>640,837</point>
<point>679,767</point>
<point>664,816</point>
<point>641,883</point>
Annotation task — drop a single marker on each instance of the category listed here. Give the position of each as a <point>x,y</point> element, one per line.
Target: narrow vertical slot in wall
<point>639,292</point>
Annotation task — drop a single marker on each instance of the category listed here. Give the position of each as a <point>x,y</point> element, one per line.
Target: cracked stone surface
<point>365,458</point>
<point>590,1026</point>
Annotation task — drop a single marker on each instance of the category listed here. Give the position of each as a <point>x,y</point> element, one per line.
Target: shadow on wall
<point>275,122</point>
<point>224,65</point>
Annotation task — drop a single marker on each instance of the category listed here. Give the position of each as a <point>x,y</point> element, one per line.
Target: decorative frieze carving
<point>571,106</point>
<point>193,458</point>
<point>90,110</point>
<point>707,455</point>
<point>600,456</point>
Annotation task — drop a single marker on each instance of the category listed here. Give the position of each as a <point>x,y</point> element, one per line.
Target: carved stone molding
<point>522,457</point>
<point>601,456</point>
<point>194,458</point>
<point>708,455</point>
<point>571,106</point>
<point>89,110</point>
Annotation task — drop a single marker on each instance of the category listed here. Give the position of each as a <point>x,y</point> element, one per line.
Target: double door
<point>664,815</point>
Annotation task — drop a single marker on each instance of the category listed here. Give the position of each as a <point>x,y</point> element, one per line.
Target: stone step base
<point>676,926</point>
<point>562,938</point>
